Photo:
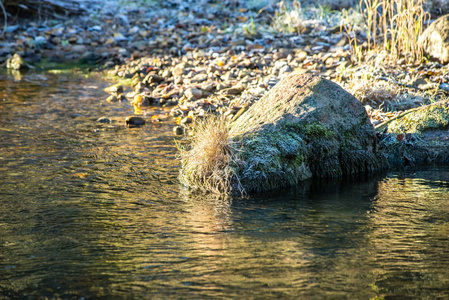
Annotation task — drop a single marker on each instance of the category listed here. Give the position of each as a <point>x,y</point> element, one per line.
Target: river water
<point>94,211</point>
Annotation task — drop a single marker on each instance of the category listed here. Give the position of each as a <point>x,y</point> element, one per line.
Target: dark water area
<point>95,211</point>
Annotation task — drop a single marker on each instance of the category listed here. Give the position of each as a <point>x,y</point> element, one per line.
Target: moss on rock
<point>272,160</point>
<point>430,117</point>
<point>426,132</point>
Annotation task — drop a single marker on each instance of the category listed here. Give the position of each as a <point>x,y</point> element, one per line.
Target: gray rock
<point>199,78</point>
<point>305,127</point>
<point>152,78</point>
<point>193,94</point>
<point>80,49</point>
<point>435,39</point>
<point>282,53</point>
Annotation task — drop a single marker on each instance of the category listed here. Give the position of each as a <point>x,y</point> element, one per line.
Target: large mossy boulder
<point>305,127</point>
<point>418,137</point>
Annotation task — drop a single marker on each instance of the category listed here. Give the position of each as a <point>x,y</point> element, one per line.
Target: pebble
<point>80,49</point>
<point>104,120</point>
<point>193,94</point>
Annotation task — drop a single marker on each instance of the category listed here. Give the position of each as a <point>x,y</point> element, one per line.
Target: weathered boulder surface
<point>417,137</point>
<point>304,127</point>
<point>435,39</point>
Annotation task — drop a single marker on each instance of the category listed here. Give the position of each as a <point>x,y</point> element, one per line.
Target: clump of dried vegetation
<point>394,26</point>
<point>207,163</point>
<point>374,93</point>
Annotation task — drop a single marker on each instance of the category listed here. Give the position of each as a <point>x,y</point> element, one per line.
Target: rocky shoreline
<point>198,58</point>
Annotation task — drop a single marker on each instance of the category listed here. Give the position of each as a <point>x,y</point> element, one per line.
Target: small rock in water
<point>134,121</point>
<point>178,130</point>
<point>16,62</point>
<point>112,98</point>
<point>104,120</point>
<point>117,89</point>
<point>114,89</point>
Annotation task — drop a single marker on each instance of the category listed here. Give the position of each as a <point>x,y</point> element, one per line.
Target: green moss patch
<point>430,117</point>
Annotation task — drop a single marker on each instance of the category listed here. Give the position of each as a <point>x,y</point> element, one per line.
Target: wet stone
<point>112,98</point>
<point>104,120</point>
<point>178,130</point>
<point>16,62</point>
<point>134,121</point>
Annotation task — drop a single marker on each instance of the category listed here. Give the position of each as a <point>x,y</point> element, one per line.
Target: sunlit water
<point>90,210</point>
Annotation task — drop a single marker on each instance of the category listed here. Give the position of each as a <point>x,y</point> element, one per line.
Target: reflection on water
<point>95,211</point>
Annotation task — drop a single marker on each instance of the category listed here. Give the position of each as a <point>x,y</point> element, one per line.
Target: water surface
<point>95,211</point>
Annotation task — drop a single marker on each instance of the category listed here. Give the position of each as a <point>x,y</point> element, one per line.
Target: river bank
<point>180,61</point>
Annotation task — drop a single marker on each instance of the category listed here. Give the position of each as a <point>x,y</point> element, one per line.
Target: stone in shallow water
<point>104,120</point>
<point>16,62</point>
<point>305,127</point>
<point>134,121</point>
<point>178,130</point>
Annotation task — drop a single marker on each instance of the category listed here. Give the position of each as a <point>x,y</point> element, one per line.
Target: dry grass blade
<point>207,165</point>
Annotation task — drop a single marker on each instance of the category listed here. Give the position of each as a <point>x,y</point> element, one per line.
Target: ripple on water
<point>92,211</point>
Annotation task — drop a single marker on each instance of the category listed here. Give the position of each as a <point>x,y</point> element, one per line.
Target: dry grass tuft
<point>208,164</point>
<point>395,25</point>
<point>374,93</point>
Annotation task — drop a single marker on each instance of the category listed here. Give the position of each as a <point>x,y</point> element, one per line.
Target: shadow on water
<point>90,210</point>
